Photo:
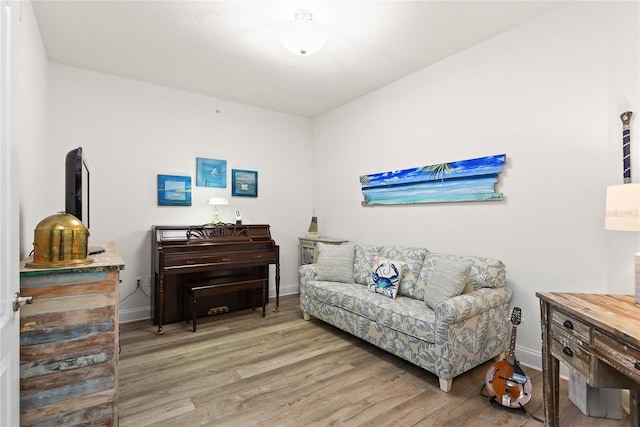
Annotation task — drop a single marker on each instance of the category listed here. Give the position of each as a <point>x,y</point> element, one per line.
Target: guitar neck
<point>511,355</point>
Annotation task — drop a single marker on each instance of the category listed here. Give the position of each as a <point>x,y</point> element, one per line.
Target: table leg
<point>634,402</point>
<point>550,371</point>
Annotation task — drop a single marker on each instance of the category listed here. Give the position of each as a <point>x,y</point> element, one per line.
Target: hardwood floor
<point>240,369</point>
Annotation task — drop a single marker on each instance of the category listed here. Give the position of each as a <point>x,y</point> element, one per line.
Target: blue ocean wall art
<point>460,181</point>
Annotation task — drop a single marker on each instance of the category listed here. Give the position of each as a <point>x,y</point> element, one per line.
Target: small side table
<point>309,247</point>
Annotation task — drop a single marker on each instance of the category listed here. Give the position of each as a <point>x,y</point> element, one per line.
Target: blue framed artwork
<point>211,173</point>
<point>459,181</point>
<point>244,183</point>
<point>174,190</point>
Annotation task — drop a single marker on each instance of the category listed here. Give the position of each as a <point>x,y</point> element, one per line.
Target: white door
<point>9,217</point>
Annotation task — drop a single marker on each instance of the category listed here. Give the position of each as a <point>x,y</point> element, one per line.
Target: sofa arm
<point>307,272</point>
<point>471,329</point>
<point>466,306</point>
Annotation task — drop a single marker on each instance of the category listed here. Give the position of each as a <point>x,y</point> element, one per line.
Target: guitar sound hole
<point>637,365</point>
<point>567,351</point>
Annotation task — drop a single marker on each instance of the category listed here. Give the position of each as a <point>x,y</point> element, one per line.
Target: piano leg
<point>277,248</point>
<point>160,331</point>
<point>265,291</point>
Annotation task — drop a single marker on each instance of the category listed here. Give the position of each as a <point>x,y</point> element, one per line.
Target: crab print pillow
<point>385,277</point>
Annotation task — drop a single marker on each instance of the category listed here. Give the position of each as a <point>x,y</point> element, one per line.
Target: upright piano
<point>228,253</point>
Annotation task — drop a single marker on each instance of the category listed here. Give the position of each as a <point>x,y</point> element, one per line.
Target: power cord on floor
<point>492,399</point>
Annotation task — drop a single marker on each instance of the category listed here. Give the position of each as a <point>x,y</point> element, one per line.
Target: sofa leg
<point>445,385</point>
<point>306,316</point>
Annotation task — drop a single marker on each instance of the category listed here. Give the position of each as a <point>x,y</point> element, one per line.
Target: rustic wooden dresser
<point>69,343</point>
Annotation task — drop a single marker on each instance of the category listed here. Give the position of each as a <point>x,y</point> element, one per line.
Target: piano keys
<point>227,253</point>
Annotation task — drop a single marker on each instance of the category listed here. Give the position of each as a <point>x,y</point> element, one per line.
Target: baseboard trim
<point>288,289</point>
<point>134,314</point>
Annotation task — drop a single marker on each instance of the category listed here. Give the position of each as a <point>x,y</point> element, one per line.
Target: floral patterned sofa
<point>444,313</point>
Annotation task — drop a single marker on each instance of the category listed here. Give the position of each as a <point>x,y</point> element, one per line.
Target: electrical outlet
<point>138,282</point>
<point>148,283</point>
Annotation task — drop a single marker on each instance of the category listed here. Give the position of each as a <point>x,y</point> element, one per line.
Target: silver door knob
<point>19,301</point>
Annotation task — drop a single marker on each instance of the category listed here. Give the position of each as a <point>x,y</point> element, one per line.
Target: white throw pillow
<point>335,262</point>
<point>447,280</point>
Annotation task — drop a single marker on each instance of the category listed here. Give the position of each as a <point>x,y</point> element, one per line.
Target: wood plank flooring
<point>240,369</point>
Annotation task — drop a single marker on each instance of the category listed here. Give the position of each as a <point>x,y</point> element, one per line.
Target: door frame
<point>9,215</point>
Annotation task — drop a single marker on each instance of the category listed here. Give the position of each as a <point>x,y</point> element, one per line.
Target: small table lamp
<point>623,214</point>
<point>217,201</point>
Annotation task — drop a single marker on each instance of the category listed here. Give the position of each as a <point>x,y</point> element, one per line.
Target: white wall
<point>539,93</point>
<point>35,196</point>
<point>548,94</point>
<point>133,131</point>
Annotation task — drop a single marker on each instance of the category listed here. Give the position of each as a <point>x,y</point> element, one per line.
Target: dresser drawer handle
<point>567,324</point>
<point>637,365</point>
<point>567,351</point>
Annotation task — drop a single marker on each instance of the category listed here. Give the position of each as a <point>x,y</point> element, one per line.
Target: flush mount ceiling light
<point>303,36</point>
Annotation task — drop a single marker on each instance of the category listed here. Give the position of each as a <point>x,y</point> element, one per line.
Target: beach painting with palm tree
<point>459,181</point>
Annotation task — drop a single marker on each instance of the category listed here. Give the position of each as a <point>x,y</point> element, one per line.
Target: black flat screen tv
<point>77,186</point>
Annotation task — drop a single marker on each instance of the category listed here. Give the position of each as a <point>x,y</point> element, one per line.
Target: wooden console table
<point>597,335</point>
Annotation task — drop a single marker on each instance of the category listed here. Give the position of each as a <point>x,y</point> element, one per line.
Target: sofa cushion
<point>335,262</point>
<point>348,296</point>
<point>406,315</point>
<point>446,281</point>
<point>385,276</point>
<point>363,263</point>
<point>414,258</point>
<point>409,316</point>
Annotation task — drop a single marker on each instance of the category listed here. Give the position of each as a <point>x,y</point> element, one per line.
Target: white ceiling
<point>230,49</point>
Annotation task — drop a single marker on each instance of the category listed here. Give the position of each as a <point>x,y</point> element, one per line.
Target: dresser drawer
<point>572,353</point>
<point>621,356</point>
<point>570,326</point>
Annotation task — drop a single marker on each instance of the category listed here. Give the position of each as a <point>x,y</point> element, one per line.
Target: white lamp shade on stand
<point>217,201</point>
<point>623,214</point>
<point>623,208</point>
<point>303,36</point>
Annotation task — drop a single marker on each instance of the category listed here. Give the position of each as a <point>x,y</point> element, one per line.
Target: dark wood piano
<point>224,253</point>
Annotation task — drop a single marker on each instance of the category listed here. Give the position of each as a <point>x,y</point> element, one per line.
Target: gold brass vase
<point>60,240</point>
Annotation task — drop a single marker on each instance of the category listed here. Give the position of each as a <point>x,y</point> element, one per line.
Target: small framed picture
<point>244,183</point>
<point>174,190</point>
<point>211,173</point>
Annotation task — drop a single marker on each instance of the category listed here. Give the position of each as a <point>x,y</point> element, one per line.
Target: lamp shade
<point>623,208</point>
<point>218,201</point>
<point>303,36</point>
